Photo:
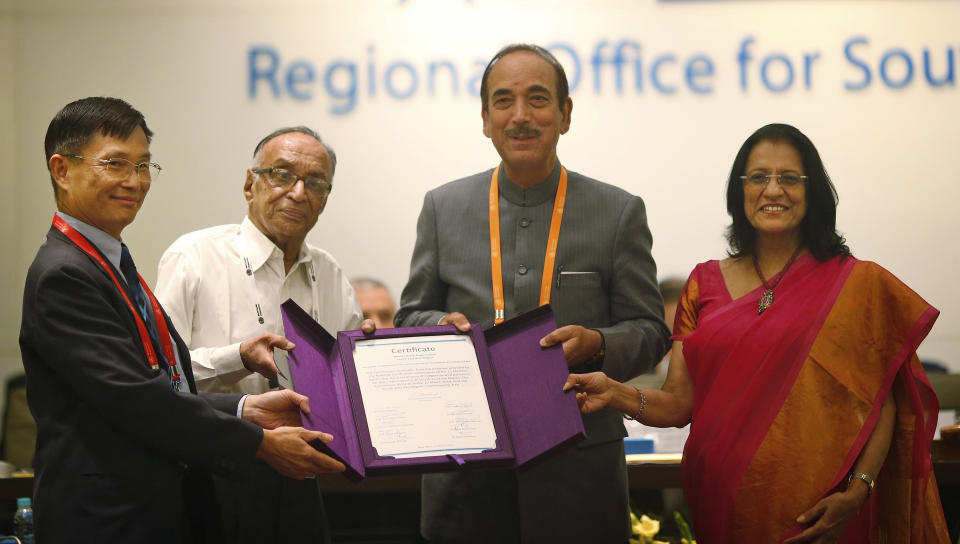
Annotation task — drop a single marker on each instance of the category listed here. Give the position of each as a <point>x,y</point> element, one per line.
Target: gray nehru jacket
<point>605,279</point>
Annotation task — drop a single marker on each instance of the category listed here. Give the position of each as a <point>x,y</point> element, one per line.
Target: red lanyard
<point>162,329</point>
<point>496,258</point>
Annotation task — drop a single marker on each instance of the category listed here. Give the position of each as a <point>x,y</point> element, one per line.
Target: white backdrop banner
<point>664,94</point>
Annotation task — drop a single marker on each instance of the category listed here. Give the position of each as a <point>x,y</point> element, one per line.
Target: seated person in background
<point>223,287</point>
<point>796,364</point>
<point>375,301</point>
<point>124,441</point>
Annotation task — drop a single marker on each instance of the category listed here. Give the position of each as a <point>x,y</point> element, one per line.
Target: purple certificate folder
<point>523,384</point>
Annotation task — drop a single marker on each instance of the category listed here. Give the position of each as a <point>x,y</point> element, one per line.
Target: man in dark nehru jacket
<point>125,444</point>
<point>547,235</point>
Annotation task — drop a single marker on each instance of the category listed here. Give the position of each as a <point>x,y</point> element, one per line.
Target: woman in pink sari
<point>796,365</point>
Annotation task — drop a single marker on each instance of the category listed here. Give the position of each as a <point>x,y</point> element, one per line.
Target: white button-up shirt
<point>225,284</point>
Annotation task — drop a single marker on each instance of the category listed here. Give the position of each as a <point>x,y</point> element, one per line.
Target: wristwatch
<point>866,479</point>
<point>600,353</point>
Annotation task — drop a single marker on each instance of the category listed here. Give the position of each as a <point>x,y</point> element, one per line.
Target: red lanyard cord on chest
<point>162,329</point>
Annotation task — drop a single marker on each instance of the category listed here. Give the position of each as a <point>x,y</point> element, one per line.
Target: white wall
<point>11,287</point>
<point>185,65</point>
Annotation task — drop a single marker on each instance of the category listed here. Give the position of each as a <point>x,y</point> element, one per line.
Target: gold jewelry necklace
<point>766,299</point>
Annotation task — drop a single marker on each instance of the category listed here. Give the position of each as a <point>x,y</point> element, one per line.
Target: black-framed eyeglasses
<point>787,181</point>
<point>117,168</point>
<point>285,179</point>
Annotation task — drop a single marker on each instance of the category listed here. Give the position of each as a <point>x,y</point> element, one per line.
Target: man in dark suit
<point>557,237</point>
<point>124,443</point>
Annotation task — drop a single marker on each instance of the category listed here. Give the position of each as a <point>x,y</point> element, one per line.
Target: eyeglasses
<point>787,181</point>
<point>285,179</point>
<point>122,168</point>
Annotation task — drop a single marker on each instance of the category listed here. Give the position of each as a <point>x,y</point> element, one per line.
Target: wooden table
<point>386,509</point>
<point>946,465</point>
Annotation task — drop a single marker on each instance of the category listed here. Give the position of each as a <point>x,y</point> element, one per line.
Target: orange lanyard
<point>162,329</point>
<point>496,258</point>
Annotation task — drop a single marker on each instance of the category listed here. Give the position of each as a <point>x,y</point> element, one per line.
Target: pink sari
<point>785,401</point>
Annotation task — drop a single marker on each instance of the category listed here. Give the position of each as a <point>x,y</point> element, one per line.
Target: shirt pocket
<point>581,299</point>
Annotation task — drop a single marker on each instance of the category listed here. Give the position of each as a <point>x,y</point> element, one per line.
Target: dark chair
<point>19,428</point>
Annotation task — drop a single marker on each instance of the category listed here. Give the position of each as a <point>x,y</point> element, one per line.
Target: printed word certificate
<point>423,395</point>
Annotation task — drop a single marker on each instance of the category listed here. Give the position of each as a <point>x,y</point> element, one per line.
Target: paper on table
<point>945,417</point>
<point>423,395</point>
<point>666,440</point>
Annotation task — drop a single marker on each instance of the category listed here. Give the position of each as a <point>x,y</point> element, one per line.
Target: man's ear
<point>567,110</point>
<point>486,121</point>
<point>248,186</point>
<point>58,171</point>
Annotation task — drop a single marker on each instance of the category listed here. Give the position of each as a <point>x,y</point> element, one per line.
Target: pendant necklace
<point>766,299</point>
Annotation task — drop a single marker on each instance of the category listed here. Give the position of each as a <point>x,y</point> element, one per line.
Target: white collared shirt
<point>225,284</point>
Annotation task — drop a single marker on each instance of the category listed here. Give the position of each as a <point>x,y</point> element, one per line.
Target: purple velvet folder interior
<point>523,382</point>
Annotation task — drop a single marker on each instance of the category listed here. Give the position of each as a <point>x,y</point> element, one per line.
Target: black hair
<point>818,229</point>
<point>302,130</point>
<point>78,122</point>
<point>563,88</point>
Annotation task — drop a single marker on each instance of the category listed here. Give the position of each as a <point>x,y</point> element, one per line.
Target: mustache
<point>521,130</point>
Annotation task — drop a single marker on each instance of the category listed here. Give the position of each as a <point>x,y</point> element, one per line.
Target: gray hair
<point>302,130</point>
<point>365,284</point>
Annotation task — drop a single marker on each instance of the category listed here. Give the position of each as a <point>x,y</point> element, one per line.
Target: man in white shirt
<point>223,287</point>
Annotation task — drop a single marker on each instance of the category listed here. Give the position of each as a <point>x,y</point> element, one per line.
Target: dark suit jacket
<point>607,281</point>
<point>113,437</point>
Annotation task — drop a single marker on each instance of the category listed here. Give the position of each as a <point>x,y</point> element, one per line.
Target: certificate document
<point>423,395</point>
